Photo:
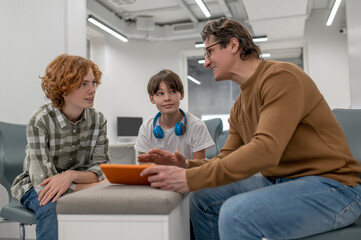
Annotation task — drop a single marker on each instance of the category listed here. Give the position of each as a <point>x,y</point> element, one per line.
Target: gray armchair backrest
<point>222,139</point>
<point>12,152</point>
<point>215,128</point>
<point>350,121</point>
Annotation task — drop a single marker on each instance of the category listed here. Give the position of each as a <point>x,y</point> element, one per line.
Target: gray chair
<point>215,128</point>
<point>350,121</point>
<point>12,154</point>
<point>222,139</point>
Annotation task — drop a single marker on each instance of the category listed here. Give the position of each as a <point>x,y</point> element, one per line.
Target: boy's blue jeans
<point>46,218</point>
<point>257,208</point>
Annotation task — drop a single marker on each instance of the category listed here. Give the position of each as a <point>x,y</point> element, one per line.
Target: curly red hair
<point>64,74</point>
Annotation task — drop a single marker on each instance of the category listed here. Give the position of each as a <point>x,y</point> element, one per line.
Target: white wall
<point>24,55</point>
<point>127,68</point>
<point>327,58</point>
<point>32,34</point>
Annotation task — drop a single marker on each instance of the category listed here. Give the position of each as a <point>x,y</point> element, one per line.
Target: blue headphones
<point>179,128</point>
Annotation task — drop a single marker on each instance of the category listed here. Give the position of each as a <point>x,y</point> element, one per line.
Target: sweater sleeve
<point>280,109</point>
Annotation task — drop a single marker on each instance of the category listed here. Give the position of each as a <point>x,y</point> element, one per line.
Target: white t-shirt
<point>195,138</point>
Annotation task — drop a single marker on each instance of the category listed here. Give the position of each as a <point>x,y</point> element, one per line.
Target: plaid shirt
<point>55,144</point>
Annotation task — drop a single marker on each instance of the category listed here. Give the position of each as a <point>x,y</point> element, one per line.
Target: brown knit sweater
<point>281,126</point>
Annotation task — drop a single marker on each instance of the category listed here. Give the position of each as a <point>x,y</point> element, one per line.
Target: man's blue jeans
<point>257,208</point>
<point>46,218</point>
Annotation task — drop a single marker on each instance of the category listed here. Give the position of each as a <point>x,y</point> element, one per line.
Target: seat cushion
<point>119,199</point>
<point>18,213</point>
<point>352,232</point>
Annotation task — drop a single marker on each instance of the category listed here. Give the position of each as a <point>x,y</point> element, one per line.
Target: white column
<point>353,8</point>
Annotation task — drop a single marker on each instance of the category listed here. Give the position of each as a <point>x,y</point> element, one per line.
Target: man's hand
<point>163,157</point>
<point>167,178</point>
<point>55,186</point>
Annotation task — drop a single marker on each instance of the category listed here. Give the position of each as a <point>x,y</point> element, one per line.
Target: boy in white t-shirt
<point>172,129</point>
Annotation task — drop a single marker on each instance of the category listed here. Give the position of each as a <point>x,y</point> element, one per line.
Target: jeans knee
<point>46,211</point>
<point>235,212</point>
<point>226,215</point>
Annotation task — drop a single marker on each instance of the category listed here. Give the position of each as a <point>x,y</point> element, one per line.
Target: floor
<point>14,239</point>
<point>7,238</point>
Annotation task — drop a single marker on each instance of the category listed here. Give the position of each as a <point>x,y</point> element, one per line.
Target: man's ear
<point>182,96</point>
<point>151,98</point>
<point>234,44</point>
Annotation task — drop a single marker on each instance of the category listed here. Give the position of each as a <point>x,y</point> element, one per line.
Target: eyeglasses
<point>87,84</point>
<point>207,53</point>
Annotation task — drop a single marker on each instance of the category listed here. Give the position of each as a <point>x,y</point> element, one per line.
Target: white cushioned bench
<point>124,212</point>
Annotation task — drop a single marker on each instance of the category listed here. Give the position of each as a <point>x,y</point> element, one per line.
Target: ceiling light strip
<point>199,45</point>
<point>333,12</point>
<point>203,8</point>
<point>260,39</point>
<point>106,28</point>
<point>193,80</point>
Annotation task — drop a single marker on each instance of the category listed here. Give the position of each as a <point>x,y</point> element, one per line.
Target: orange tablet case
<point>125,174</point>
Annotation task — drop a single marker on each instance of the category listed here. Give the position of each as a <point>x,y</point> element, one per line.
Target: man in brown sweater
<point>285,171</point>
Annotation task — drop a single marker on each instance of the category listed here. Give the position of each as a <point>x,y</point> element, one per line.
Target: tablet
<point>125,174</point>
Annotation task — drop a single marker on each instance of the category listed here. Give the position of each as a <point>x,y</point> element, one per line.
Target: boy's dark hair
<point>224,29</point>
<point>170,78</point>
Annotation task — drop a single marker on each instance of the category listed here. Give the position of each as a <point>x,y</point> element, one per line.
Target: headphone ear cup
<point>183,129</point>
<point>158,132</point>
<point>179,129</point>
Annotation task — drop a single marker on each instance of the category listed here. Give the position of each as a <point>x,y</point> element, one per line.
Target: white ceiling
<point>158,20</point>
<point>164,12</point>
